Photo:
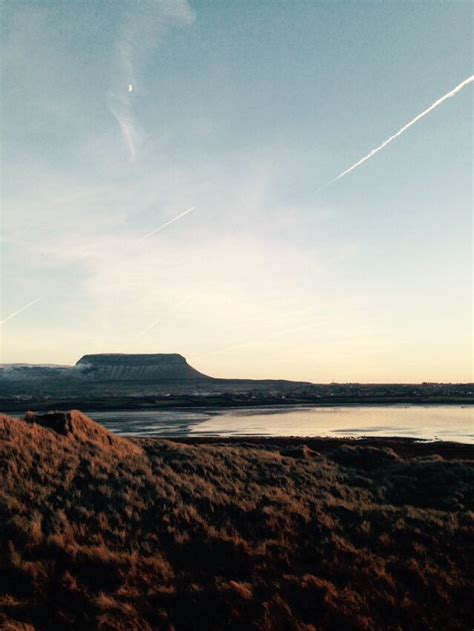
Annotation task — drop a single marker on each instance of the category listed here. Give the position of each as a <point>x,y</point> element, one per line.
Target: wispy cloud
<point>402,130</point>
<point>147,328</point>
<point>139,33</point>
<point>150,234</point>
<point>131,131</point>
<point>18,311</point>
<point>157,321</point>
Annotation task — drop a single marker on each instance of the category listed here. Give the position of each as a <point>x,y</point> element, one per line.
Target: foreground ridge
<point>102,532</point>
<point>75,426</point>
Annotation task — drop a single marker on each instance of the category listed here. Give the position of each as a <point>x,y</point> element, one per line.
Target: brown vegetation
<point>99,532</point>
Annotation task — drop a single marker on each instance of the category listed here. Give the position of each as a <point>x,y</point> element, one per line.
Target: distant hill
<point>123,367</point>
<point>106,367</point>
<point>120,374</point>
<point>127,367</point>
<point>133,381</point>
<point>92,370</point>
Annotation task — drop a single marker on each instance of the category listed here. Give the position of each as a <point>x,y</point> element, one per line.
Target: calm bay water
<point>447,422</point>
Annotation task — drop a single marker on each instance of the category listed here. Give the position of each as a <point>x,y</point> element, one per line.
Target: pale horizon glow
<point>117,116</point>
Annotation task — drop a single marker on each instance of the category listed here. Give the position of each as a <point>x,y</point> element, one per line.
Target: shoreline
<point>123,405</point>
<point>404,446</point>
<point>449,423</point>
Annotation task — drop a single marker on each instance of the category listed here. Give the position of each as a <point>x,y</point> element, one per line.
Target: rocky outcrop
<point>75,426</point>
<point>143,367</point>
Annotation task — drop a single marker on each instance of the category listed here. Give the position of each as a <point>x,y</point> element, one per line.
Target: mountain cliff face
<point>109,375</point>
<point>117,373</point>
<point>143,367</point>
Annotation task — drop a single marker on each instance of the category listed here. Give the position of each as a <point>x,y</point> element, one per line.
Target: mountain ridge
<point>138,366</point>
<point>106,375</point>
<point>107,367</point>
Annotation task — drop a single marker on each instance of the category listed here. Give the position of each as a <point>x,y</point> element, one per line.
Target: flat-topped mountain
<point>120,379</point>
<point>137,367</point>
<point>106,367</point>
<point>102,374</point>
<point>131,381</point>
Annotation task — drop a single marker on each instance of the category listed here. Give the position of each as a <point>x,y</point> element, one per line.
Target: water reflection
<point>430,422</point>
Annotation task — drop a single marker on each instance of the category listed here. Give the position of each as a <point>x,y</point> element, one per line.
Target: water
<point>445,422</point>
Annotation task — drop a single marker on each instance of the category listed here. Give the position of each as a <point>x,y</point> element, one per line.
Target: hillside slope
<point>99,532</point>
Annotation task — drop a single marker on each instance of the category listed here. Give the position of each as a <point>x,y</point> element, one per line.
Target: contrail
<point>15,313</point>
<point>150,234</point>
<point>450,94</point>
<point>152,325</point>
<point>148,328</point>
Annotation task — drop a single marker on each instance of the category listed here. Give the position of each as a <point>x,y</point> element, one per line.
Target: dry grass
<point>99,532</point>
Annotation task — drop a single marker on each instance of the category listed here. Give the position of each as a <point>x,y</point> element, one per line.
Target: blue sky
<point>241,110</point>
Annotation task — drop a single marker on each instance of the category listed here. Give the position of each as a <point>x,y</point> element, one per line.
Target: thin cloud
<point>372,153</point>
<point>18,311</point>
<point>150,234</point>
<point>147,329</point>
<point>153,324</point>
<point>131,130</point>
<point>139,33</point>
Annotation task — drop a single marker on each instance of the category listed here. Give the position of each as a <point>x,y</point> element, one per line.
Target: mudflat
<point>102,532</point>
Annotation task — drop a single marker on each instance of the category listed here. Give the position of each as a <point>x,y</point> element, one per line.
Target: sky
<point>230,117</point>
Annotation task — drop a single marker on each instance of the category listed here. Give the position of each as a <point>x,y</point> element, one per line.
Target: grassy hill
<point>99,532</point>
